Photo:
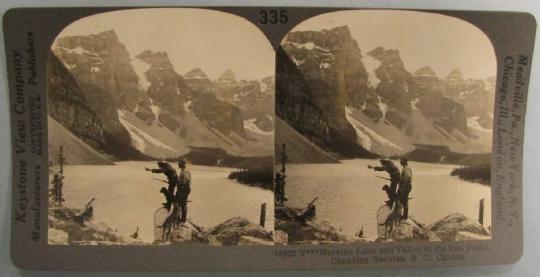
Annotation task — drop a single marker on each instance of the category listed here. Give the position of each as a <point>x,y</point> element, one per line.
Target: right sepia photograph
<point>383,129</point>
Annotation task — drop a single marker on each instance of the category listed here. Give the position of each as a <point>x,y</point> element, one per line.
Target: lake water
<point>350,194</point>
<point>127,196</point>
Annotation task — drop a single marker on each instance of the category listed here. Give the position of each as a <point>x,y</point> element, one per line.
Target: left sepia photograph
<point>161,130</point>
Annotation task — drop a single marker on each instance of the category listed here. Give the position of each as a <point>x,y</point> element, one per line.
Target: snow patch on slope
<point>324,65</point>
<point>371,64</point>
<point>77,50</point>
<point>96,60</point>
<point>156,110</point>
<point>141,139</point>
<point>321,51</point>
<point>414,102</point>
<point>69,66</point>
<point>473,123</point>
<point>308,45</point>
<point>250,125</point>
<point>363,136</point>
<point>187,105</point>
<point>383,107</point>
<point>297,62</point>
<point>141,68</point>
<point>367,135</point>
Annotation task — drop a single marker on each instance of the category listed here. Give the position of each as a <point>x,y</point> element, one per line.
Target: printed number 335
<point>273,16</point>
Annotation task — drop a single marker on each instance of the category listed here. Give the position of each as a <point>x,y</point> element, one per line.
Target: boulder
<point>447,228</point>
<point>313,232</point>
<point>280,237</point>
<point>249,240</point>
<point>230,231</point>
<point>91,232</point>
<point>433,237</point>
<point>213,241</point>
<point>63,219</point>
<point>409,229</point>
<point>58,237</point>
<point>464,235</point>
<point>63,229</point>
<point>403,231</point>
<point>186,233</point>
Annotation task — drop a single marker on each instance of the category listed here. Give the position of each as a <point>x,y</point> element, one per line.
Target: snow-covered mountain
<point>131,106</point>
<point>355,104</point>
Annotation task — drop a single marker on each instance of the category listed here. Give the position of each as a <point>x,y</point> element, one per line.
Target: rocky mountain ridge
<point>142,104</point>
<point>356,104</point>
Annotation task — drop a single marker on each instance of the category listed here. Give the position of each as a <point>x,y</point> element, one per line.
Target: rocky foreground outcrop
<point>235,231</point>
<point>290,229</point>
<point>454,227</point>
<point>64,229</point>
<point>298,231</point>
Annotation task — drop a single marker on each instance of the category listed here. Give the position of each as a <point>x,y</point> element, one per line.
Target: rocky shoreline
<point>454,227</point>
<point>64,229</point>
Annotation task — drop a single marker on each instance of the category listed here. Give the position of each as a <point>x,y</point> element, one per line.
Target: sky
<point>439,41</point>
<point>212,40</point>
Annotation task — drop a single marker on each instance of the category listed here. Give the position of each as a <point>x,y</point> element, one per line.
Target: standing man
<point>392,170</point>
<point>172,179</point>
<point>184,189</point>
<point>405,186</point>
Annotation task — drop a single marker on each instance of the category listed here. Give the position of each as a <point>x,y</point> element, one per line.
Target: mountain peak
<point>106,35</point>
<point>343,30</point>
<point>455,74</point>
<point>196,73</point>
<point>388,57</point>
<point>324,38</point>
<point>159,58</point>
<point>150,53</point>
<point>96,43</point>
<point>227,76</point>
<point>426,71</point>
<point>380,53</point>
